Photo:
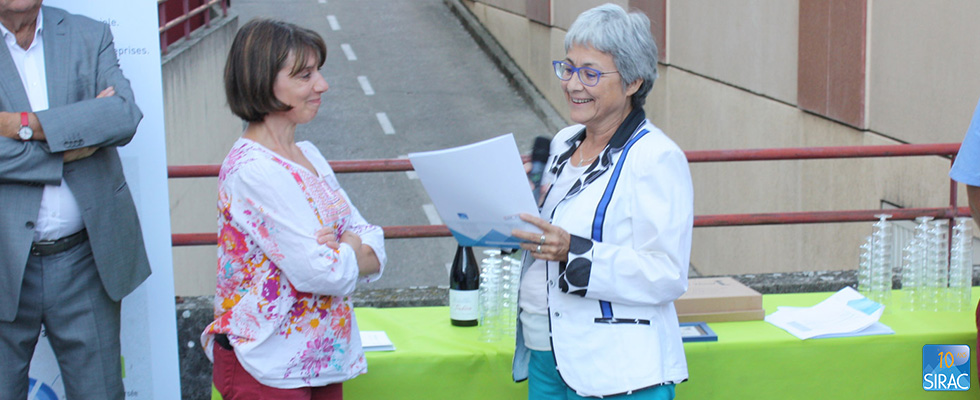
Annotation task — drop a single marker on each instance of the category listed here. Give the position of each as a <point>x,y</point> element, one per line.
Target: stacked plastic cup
<point>489,295</point>
<point>881,260</point>
<point>864,268</point>
<point>937,264</point>
<point>960,267</point>
<point>511,286</point>
<point>912,259</point>
<point>500,276</point>
<point>925,297</point>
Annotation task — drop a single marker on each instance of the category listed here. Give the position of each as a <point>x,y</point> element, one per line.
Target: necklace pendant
<point>582,161</point>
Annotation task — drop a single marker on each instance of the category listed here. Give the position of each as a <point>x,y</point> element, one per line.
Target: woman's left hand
<point>551,244</point>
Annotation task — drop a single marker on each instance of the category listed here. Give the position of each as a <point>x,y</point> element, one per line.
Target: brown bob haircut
<point>260,50</point>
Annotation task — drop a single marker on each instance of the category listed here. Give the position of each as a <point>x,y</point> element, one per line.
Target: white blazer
<point>613,324</point>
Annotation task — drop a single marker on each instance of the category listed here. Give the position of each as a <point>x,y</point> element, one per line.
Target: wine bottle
<point>464,285</point>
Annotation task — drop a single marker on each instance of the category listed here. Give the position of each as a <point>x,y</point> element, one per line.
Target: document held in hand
<point>479,190</point>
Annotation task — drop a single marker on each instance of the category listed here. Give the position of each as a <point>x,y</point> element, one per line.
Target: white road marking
<point>365,85</point>
<point>385,124</point>
<point>431,214</point>
<point>411,174</point>
<point>349,52</point>
<point>333,22</point>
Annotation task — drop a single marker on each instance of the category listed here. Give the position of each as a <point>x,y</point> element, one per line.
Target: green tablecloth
<point>760,361</point>
<point>433,359</point>
<point>750,360</point>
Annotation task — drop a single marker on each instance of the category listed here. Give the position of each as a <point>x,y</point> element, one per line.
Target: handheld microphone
<point>539,157</point>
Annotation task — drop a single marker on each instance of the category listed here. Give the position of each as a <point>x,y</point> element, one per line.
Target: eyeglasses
<point>588,76</point>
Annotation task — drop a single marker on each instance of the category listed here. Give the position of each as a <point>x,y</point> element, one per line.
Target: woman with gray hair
<point>597,293</point>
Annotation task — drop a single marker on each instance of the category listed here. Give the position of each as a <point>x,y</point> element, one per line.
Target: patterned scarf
<point>627,129</point>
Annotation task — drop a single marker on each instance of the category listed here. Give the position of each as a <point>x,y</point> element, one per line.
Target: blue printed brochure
<point>479,190</point>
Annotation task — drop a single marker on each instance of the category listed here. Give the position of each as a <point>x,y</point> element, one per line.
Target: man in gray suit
<point>70,240</point>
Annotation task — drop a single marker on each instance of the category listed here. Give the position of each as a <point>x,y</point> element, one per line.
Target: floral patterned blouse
<point>281,298</point>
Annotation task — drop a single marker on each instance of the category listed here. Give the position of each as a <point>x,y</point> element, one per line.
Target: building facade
<point>743,74</point>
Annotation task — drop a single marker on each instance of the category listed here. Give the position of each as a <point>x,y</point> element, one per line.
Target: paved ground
<point>404,76</point>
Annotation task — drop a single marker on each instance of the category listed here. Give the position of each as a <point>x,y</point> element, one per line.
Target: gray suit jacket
<point>80,61</point>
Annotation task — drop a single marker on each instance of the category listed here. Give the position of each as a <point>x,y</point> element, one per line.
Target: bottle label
<point>464,305</point>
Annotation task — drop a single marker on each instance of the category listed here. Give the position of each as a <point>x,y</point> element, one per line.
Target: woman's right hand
<point>326,236</point>
<point>367,260</point>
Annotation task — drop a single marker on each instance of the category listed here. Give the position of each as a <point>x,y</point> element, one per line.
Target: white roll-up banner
<point>149,362</point>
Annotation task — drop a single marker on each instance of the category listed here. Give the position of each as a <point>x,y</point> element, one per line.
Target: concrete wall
<point>767,74</point>
<point>924,69</point>
<point>200,130</point>
<point>744,43</point>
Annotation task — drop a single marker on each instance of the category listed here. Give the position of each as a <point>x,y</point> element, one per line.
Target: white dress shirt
<point>533,298</point>
<point>59,215</point>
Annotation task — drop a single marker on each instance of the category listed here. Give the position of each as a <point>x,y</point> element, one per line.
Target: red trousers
<point>235,383</point>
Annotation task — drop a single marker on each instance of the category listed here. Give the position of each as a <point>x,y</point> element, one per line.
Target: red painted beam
<point>811,153</point>
<point>816,217</point>
<point>697,156</point>
<point>391,232</point>
<point>801,153</point>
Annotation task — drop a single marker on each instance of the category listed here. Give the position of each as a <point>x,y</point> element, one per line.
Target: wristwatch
<point>25,132</point>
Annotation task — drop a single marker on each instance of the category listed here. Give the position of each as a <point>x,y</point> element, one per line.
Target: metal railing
<point>185,18</point>
<point>700,156</point>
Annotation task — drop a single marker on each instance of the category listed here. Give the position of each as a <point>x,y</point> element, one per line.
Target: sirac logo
<point>946,367</point>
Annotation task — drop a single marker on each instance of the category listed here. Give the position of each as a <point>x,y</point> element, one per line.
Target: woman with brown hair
<point>291,245</point>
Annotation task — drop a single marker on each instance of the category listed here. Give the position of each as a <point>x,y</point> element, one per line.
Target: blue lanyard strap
<point>600,212</point>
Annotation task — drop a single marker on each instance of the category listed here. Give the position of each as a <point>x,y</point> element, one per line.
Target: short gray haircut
<point>626,36</point>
